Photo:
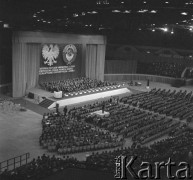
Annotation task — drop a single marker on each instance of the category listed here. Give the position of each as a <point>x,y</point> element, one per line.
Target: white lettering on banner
<point>55,70</point>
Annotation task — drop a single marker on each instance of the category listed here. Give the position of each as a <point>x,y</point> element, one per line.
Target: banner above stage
<point>59,58</point>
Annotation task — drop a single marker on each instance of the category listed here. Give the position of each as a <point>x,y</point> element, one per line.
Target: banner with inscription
<point>57,58</point>
<point>60,58</point>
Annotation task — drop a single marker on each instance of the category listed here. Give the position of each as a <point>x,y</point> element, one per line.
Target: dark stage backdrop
<point>59,67</point>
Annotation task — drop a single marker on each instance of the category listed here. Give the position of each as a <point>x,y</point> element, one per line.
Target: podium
<point>58,95</point>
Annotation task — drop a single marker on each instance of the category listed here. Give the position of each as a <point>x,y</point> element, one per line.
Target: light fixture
<point>126,11</point>
<point>115,11</point>
<point>184,13</point>
<point>6,25</point>
<point>153,11</point>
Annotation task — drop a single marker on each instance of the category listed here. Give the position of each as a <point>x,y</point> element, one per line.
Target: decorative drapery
<point>95,61</point>
<point>25,59</point>
<point>33,63</point>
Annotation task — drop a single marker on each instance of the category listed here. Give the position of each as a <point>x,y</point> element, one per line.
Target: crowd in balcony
<point>169,69</point>
<point>74,85</point>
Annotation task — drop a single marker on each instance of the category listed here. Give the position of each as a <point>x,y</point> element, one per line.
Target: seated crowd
<point>126,121</point>
<point>79,130</point>
<point>176,104</point>
<point>169,69</point>
<point>74,85</point>
<point>178,147</point>
<point>67,134</point>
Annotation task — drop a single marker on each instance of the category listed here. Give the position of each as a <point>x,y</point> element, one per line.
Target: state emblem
<point>69,54</point>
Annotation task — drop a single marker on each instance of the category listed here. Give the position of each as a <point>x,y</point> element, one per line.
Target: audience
<point>178,147</point>
<point>171,103</point>
<point>169,69</point>
<point>138,116</point>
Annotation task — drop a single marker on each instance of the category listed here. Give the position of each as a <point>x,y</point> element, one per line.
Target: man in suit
<point>103,107</point>
<point>65,110</point>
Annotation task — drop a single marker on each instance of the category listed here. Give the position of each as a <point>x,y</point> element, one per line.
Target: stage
<point>47,100</point>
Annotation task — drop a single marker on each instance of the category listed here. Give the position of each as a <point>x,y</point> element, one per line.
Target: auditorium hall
<point>96,89</point>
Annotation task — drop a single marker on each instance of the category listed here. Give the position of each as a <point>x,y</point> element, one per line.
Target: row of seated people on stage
<point>178,147</point>
<point>169,69</point>
<point>74,85</point>
<point>178,104</point>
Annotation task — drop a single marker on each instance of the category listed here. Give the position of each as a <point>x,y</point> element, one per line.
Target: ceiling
<point>118,19</point>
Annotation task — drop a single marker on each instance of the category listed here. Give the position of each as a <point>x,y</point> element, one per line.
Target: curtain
<point>95,59</point>
<point>33,62</point>
<point>25,59</point>
<point>19,56</point>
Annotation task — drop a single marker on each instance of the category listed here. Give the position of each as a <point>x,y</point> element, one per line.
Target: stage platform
<point>40,96</point>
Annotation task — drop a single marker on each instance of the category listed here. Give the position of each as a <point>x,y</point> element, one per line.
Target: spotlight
<point>6,25</point>
<point>165,29</point>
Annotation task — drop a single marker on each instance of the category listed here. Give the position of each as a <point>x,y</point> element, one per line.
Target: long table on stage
<point>80,97</point>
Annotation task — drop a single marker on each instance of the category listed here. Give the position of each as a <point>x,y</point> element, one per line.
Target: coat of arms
<point>50,53</point>
<point>69,54</point>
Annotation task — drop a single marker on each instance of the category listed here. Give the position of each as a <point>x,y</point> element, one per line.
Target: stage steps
<point>46,103</point>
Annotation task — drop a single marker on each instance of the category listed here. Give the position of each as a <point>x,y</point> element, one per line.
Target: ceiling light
<point>153,11</point>
<point>167,2</point>
<point>142,11</point>
<point>115,11</point>
<point>172,32</point>
<point>164,29</point>
<point>184,13</point>
<point>126,11</point>
<point>153,30</point>
<point>94,12</point>
<point>75,15</point>
<point>6,25</point>
<point>42,10</point>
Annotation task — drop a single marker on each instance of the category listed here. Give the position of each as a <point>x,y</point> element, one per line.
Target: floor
<point>19,134</point>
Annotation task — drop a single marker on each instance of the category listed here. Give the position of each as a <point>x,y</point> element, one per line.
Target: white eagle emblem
<point>50,53</point>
